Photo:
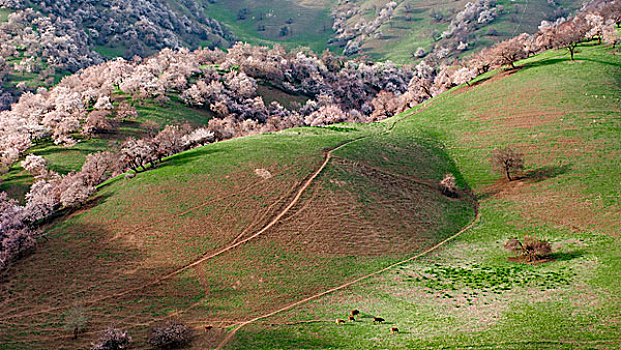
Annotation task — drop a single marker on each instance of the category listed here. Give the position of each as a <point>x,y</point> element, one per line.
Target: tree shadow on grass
<point>545,62</point>
<point>530,176</point>
<point>566,256</point>
<point>181,159</point>
<point>545,172</point>
<point>480,81</point>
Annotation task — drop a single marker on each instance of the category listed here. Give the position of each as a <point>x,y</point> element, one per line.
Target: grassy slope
<point>565,117</point>
<point>311,26</point>
<point>312,23</point>
<point>355,220</point>
<point>402,37</point>
<point>352,220</point>
<point>4,15</point>
<point>64,160</point>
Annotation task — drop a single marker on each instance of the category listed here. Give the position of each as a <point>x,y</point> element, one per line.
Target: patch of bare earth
<point>400,218</point>
<point>568,208</point>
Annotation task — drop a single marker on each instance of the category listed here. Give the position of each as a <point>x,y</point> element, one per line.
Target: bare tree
<point>169,334</point>
<point>507,160</point>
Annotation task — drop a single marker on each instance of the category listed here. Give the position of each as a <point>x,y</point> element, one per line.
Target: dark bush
<point>169,335</point>
<point>113,339</point>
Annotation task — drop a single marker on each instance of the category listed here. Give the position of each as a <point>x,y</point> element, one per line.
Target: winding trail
<point>351,283</point>
<point>204,258</point>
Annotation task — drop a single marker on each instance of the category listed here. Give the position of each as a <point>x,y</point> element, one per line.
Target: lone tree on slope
<point>507,160</point>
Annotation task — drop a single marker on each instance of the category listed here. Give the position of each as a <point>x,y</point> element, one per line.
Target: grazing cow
<point>208,327</point>
<point>351,318</point>
<point>378,319</point>
<point>394,330</point>
<point>354,312</point>
<point>340,321</point>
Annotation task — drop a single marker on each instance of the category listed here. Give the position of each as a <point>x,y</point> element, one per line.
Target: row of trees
<point>171,334</point>
<point>226,84</point>
<point>596,21</point>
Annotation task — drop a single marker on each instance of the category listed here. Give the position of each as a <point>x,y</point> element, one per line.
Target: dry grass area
<point>393,215</point>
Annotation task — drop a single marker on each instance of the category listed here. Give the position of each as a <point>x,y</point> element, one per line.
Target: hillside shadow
<point>552,61</point>
<point>184,158</point>
<point>545,172</point>
<point>66,213</point>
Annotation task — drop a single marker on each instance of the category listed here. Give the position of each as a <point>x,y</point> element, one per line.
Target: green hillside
<point>123,259</point>
<point>16,182</point>
<point>404,33</point>
<point>565,117</point>
<point>309,23</point>
<point>238,229</point>
<point>63,159</point>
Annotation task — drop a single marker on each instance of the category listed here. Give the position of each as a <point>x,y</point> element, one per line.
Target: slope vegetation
<point>234,229</point>
<point>239,229</point>
<point>565,117</point>
<point>404,26</point>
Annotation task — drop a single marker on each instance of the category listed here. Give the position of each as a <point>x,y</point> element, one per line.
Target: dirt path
<point>389,129</point>
<point>351,283</point>
<point>206,257</point>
